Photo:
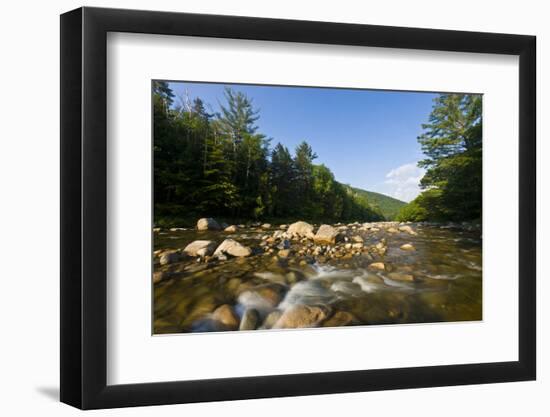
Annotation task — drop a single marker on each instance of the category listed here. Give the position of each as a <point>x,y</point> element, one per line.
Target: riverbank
<point>260,276</point>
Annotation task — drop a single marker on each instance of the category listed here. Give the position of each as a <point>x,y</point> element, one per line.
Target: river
<point>368,278</point>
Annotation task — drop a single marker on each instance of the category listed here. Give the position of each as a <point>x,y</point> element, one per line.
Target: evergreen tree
<point>452,144</point>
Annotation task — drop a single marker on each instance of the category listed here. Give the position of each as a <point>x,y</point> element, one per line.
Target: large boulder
<point>233,248</point>
<point>299,316</point>
<point>326,235</point>
<point>301,229</point>
<point>208,223</point>
<point>200,248</point>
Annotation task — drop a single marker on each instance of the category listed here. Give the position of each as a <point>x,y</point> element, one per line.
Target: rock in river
<point>398,276</point>
<point>170,257</point>
<point>407,229</point>
<point>379,266</point>
<point>301,229</point>
<point>230,229</point>
<point>250,320</point>
<point>299,316</point>
<point>226,316</point>
<point>340,318</point>
<point>233,248</point>
<point>200,248</point>
<point>208,223</point>
<point>407,246</point>
<point>326,235</point>
<point>284,253</point>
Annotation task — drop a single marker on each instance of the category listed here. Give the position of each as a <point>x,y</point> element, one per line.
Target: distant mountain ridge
<point>388,206</point>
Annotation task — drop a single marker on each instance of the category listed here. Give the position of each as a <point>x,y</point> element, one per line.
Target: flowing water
<point>439,281</point>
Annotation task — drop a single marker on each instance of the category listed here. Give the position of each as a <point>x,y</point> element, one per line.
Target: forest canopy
<point>452,144</point>
<point>220,164</point>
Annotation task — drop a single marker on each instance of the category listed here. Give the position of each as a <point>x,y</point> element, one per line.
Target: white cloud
<point>403,182</point>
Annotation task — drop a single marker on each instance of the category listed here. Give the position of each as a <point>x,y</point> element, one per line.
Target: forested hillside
<point>388,206</point>
<point>221,165</point>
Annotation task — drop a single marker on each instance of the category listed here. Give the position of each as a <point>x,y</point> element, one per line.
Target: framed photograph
<point>258,208</point>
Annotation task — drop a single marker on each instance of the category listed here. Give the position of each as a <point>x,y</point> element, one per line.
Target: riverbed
<point>379,273</point>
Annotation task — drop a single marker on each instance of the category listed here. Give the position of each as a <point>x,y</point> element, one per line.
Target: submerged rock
<point>249,320</point>
<point>200,248</point>
<point>301,229</point>
<point>233,248</point>
<point>398,276</point>
<point>408,247</point>
<point>379,266</point>
<point>262,297</point>
<point>208,223</point>
<point>326,235</point>
<point>170,257</point>
<point>160,276</point>
<point>340,318</point>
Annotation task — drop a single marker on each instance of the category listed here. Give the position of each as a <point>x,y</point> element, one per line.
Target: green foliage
<point>388,206</point>
<point>452,143</point>
<point>219,165</point>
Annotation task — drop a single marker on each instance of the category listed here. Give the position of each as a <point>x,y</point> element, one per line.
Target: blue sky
<point>366,137</point>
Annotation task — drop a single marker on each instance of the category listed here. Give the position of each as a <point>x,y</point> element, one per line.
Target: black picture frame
<point>84,207</point>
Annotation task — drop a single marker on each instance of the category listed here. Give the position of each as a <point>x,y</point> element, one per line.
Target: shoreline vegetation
<point>299,248</point>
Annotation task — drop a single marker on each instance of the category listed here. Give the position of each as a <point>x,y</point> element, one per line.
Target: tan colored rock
<point>392,230</point>
<point>200,248</point>
<point>231,229</point>
<point>233,248</point>
<point>326,235</point>
<point>208,223</point>
<point>266,226</point>
<point>407,247</point>
<point>357,239</point>
<point>226,316</point>
<point>301,229</point>
<point>379,266</point>
<point>407,229</point>
<point>300,316</point>
<point>340,318</point>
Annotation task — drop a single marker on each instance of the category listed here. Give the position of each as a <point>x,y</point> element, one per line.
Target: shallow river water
<point>439,280</point>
